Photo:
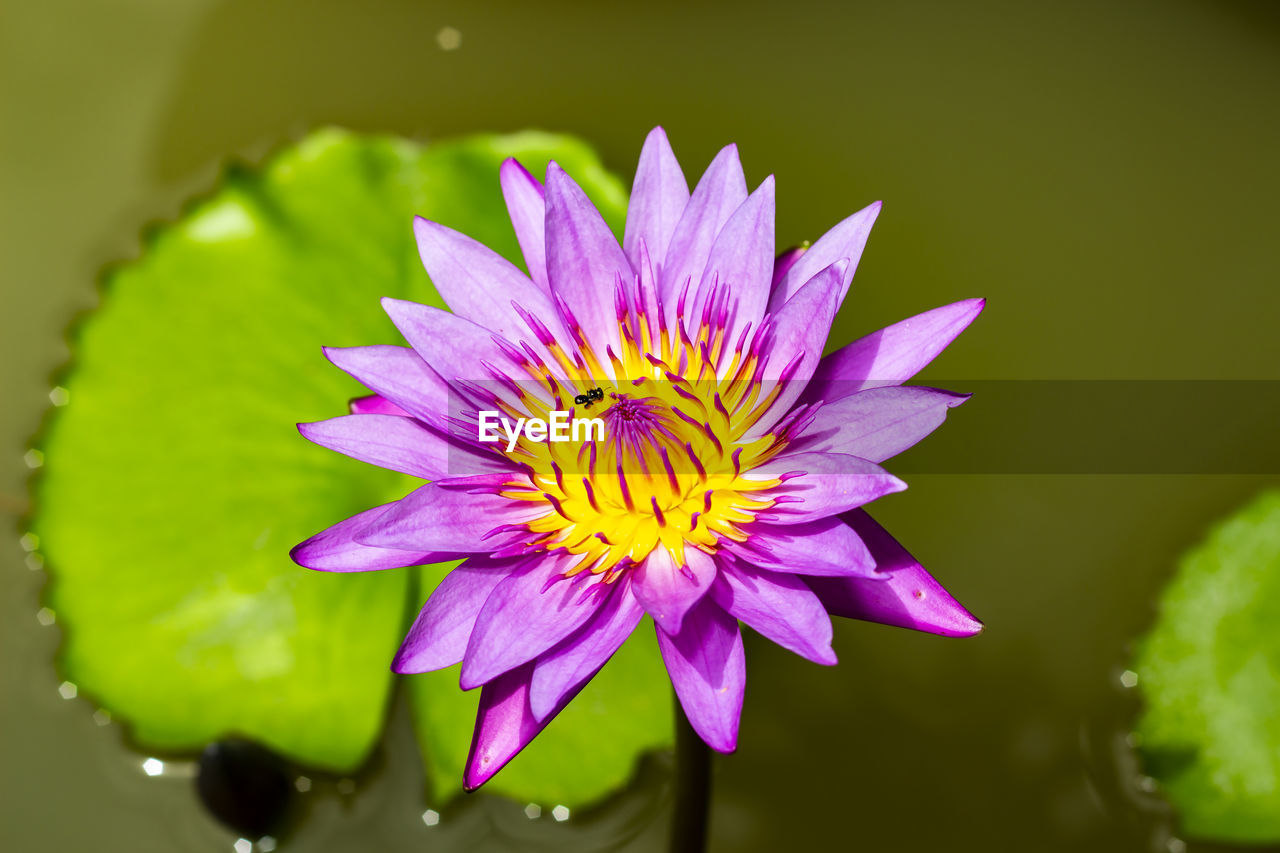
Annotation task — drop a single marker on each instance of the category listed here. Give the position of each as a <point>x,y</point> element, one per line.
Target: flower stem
<point>692,788</point>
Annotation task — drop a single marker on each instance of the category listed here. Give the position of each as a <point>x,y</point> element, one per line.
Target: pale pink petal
<point>666,590</point>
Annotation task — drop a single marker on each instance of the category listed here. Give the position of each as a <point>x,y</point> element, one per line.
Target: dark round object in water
<point>244,785</point>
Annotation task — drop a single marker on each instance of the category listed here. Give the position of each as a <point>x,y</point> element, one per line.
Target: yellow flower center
<point>672,470</point>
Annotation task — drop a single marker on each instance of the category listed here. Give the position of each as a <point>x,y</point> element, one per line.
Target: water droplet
<point>266,844</point>
<point>560,813</point>
<point>533,811</point>
<point>67,690</point>
<point>1129,678</point>
<point>59,396</point>
<point>303,784</point>
<point>449,38</point>
<point>243,845</point>
<point>431,817</point>
<point>29,541</point>
<point>153,767</point>
<point>34,458</point>
<point>102,716</point>
<point>244,785</point>
<point>1177,845</point>
<point>45,616</point>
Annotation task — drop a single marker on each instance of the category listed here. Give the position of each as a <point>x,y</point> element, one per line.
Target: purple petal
<point>786,261</point>
<point>908,597</point>
<point>438,517</point>
<point>439,635</point>
<point>524,196</point>
<point>799,334</point>
<point>584,260</point>
<point>708,670</point>
<point>843,242</point>
<point>505,724</point>
<point>480,285</point>
<point>742,259</point>
<point>388,441</point>
<point>721,191</point>
<point>878,423</point>
<point>524,616</point>
<point>399,375</point>
<point>892,355</point>
<point>334,549</point>
<point>375,405</point>
<point>827,484</point>
<point>585,651</point>
<point>667,591</point>
<point>827,546</point>
<point>454,347</point>
<point>658,198</point>
<point>779,606</point>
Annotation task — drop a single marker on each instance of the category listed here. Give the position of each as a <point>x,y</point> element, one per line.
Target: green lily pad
<point>175,482</point>
<point>1210,674</point>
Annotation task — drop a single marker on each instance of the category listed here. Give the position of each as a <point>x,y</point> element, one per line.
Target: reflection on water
<point>1103,173</point>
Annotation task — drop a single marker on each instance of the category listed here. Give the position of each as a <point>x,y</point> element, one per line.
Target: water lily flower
<point>728,485</point>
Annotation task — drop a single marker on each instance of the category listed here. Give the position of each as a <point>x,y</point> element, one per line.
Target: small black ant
<point>585,400</point>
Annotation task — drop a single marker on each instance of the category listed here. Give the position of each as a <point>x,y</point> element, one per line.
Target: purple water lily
<point>728,484</point>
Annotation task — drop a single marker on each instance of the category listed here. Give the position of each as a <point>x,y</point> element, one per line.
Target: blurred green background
<point>1104,173</point>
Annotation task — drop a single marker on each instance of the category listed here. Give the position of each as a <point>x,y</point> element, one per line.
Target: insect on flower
<point>728,484</point>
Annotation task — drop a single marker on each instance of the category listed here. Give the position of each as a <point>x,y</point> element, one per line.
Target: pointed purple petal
<point>878,423</point>
<point>658,198</point>
<point>827,546</point>
<point>708,670</point>
<point>524,196</point>
<point>800,332</point>
<point>453,346</point>
<point>892,355</point>
<point>584,260</point>
<point>908,597</point>
<point>523,618</point>
<point>585,651</point>
<point>440,633</point>
<point>505,724</point>
<point>785,262</point>
<point>830,483</point>
<point>721,191</point>
<point>843,242</point>
<point>334,550</point>
<point>375,405</point>
<point>399,375</point>
<point>480,285</point>
<point>779,606</point>
<point>742,260</point>
<point>438,518</point>
<point>388,441</point>
<point>665,591</point>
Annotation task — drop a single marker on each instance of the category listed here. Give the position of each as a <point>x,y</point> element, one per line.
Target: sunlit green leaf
<point>175,482</point>
<point>1210,674</point>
